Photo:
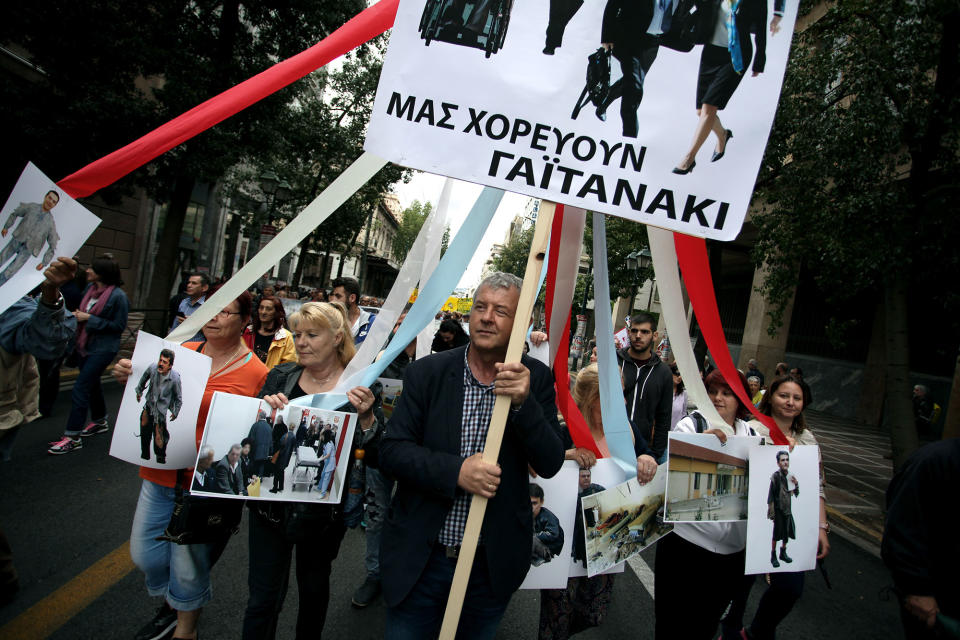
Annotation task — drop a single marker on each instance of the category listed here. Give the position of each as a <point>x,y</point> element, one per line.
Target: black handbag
<point>200,520</point>
<point>691,25</point>
<point>597,85</point>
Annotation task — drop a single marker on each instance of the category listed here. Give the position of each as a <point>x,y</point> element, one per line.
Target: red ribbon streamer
<point>576,424</point>
<point>692,256</point>
<point>367,24</point>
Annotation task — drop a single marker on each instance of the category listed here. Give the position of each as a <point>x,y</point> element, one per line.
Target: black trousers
<point>561,13</point>
<point>777,601</point>
<point>634,65</point>
<point>684,609</point>
<point>148,425</point>
<point>317,543</point>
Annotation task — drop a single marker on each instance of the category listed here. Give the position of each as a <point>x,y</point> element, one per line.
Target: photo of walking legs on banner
<point>300,473</point>
<point>784,502</point>
<point>156,424</point>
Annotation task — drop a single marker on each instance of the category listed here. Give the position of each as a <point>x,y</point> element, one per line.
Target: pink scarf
<point>95,311</point>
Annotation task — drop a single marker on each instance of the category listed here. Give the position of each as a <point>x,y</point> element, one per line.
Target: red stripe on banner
<point>366,25</point>
<point>576,424</point>
<point>692,256</point>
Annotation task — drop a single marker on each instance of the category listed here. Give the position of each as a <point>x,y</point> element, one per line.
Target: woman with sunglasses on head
<point>325,345</point>
<point>181,573</point>
<point>715,549</point>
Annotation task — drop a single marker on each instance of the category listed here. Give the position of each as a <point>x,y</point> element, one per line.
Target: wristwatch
<point>825,526</point>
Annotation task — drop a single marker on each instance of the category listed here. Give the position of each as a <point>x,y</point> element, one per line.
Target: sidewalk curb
<point>863,536</point>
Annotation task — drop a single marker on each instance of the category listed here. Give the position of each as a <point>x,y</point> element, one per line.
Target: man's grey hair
<point>752,362</point>
<point>753,379</point>
<point>238,447</point>
<point>921,388</point>
<point>499,280</point>
<point>206,451</point>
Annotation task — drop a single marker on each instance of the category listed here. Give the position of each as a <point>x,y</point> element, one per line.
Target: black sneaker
<point>366,593</point>
<point>161,627</point>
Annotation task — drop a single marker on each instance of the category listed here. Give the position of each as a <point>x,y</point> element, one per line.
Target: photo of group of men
<point>298,449</point>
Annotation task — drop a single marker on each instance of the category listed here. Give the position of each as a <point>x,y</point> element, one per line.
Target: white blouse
<point>719,537</point>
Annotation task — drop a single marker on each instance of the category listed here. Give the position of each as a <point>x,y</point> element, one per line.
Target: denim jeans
<point>420,614</point>
<point>380,487</point>
<point>87,392</point>
<point>271,548</point>
<point>179,573</point>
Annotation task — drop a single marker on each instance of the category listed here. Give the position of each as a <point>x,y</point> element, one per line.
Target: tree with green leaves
<point>324,133</point>
<point>859,183</point>
<point>109,72</point>
<point>411,222</point>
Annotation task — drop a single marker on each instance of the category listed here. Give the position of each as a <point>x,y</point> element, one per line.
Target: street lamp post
<point>639,261</point>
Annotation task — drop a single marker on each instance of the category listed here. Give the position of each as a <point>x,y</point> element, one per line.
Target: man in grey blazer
<point>228,474</point>
<point>36,228</point>
<point>163,394</point>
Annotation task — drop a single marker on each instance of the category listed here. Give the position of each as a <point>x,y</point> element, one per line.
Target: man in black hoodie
<point>647,386</point>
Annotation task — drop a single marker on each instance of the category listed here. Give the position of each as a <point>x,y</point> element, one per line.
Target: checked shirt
<point>478,401</point>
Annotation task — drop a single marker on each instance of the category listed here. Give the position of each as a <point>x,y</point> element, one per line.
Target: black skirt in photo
<point>717,80</point>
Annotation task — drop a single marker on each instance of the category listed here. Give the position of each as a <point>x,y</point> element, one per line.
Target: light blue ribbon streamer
<point>616,424</point>
<point>430,299</point>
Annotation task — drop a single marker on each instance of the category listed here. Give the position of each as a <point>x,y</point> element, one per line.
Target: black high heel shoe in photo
<point>719,154</point>
<point>683,172</point>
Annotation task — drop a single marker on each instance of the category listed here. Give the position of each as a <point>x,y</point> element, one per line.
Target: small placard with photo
<point>38,224</point>
<point>157,422</point>
<point>294,454</point>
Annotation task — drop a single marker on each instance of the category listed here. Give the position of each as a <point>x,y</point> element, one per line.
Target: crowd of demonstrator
<point>421,471</point>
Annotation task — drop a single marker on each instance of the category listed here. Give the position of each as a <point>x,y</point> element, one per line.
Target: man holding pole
<point>432,447</point>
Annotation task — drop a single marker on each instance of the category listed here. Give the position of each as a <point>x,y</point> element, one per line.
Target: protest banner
<point>485,101</point>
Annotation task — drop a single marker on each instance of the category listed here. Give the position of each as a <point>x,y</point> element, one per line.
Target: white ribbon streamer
<point>410,272</point>
<point>568,265</point>
<point>436,226</point>
<point>664,255</point>
<point>346,184</point>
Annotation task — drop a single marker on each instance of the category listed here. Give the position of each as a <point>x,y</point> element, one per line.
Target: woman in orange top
<point>181,573</point>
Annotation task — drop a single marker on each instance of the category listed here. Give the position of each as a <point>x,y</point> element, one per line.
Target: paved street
<point>70,516</point>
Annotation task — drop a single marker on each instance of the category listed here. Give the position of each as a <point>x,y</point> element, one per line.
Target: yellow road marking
<point>44,618</point>
<point>868,531</point>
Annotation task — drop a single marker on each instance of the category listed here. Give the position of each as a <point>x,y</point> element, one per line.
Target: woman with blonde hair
<point>583,604</point>
<point>324,342</point>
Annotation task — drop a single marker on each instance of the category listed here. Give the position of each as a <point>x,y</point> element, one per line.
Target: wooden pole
<point>498,422</point>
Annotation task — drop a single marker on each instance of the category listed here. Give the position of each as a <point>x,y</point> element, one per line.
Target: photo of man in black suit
<point>561,13</point>
<point>631,31</point>
<point>431,446</point>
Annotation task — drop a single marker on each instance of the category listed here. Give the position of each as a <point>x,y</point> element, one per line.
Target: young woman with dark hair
<point>784,401</point>
<point>101,318</point>
<point>267,336</point>
<point>716,549</point>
